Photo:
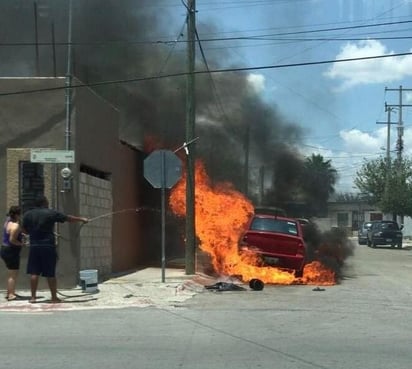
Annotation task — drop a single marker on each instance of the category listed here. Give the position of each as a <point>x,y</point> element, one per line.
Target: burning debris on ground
<point>225,286</point>
<point>254,284</point>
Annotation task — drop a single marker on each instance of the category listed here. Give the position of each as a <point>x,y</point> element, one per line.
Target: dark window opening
<point>31,183</point>
<point>94,172</point>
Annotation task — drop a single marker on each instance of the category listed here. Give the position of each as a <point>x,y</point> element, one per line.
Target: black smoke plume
<point>120,40</point>
<point>332,248</point>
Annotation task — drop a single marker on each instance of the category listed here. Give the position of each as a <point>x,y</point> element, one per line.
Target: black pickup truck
<point>384,232</point>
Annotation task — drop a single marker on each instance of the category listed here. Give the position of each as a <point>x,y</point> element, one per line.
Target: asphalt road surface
<point>364,322</point>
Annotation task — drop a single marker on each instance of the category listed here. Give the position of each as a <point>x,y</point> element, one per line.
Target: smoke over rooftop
<point>115,40</point>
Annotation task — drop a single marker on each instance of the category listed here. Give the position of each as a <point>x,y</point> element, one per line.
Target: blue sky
<point>337,104</point>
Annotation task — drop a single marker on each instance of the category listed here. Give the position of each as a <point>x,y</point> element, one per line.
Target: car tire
<point>400,245</point>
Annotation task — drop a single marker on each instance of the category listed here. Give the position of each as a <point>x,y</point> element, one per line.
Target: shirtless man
<point>39,225</point>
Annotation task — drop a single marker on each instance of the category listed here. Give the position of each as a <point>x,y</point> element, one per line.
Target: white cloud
<point>256,82</point>
<point>384,70</point>
<point>359,146</point>
<point>363,142</point>
<point>375,143</point>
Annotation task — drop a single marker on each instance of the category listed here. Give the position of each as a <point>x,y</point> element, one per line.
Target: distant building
<point>348,214</point>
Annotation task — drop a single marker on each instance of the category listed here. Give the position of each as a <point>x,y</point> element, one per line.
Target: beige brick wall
<point>96,236</point>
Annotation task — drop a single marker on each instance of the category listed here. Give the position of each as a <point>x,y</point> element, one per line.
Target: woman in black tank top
<point>11,248</point>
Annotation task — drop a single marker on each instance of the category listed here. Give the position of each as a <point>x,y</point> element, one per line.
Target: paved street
<point>362,323</point>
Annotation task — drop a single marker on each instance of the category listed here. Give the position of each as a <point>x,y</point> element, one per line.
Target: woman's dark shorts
<point>42,261</point>
<point>11,256</point>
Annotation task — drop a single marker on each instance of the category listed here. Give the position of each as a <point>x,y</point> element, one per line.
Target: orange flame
<point>221,214</point>
<point>316,273</point>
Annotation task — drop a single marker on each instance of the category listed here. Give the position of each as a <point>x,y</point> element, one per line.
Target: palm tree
<point>318,181</point>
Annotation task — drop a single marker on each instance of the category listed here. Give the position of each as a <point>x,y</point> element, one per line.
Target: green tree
<point>388,186</point>
<point>371,179</point>
<point>318,182</point>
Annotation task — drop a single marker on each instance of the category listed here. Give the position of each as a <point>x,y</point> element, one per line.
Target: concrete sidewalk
<point>142,288</point>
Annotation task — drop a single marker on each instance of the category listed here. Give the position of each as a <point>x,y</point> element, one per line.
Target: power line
<point>326,38</point>
<point>316,30</point>
<point>173,47</point>
<point>363,22</point>
<point>174,42</point>
<point>219,102</point>
<point>238,38</point>
<point>226,70</point>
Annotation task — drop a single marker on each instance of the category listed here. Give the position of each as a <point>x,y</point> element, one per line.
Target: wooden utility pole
<point>388,145</point>
<point>36,40</point>
<point>68,80</point>
<point>190,252</point>
<point>389,110</point>
<point>399,143</point>
<point>246,163</point>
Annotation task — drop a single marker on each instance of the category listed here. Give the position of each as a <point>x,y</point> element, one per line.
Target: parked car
<point>384,232</point>
<point>277,240</point>
<point>306,226</point>
<point>303,221</point>
<point>363,233</point>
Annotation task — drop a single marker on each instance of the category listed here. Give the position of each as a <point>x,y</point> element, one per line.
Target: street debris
<point>224,286</point>
<point>318,289</point>
<point>256,284</point>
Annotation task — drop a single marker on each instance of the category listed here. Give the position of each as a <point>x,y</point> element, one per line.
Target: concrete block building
<point>107,174</point>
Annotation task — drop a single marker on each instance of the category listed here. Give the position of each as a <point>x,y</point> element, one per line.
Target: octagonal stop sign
<point>162,168</point>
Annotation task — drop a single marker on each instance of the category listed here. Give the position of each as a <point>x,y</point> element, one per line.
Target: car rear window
<point>389,226</point>
<point>274,225</point>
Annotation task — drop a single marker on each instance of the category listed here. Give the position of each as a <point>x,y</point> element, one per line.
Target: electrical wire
<point>215,91</point>
<point>270,36</point>
<point>224,70</point>
<point>169,55</point>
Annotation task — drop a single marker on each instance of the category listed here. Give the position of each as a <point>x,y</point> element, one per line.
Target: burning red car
<point>277,239</point>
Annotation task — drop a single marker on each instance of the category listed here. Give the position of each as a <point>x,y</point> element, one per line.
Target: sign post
<point>162,169</point>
